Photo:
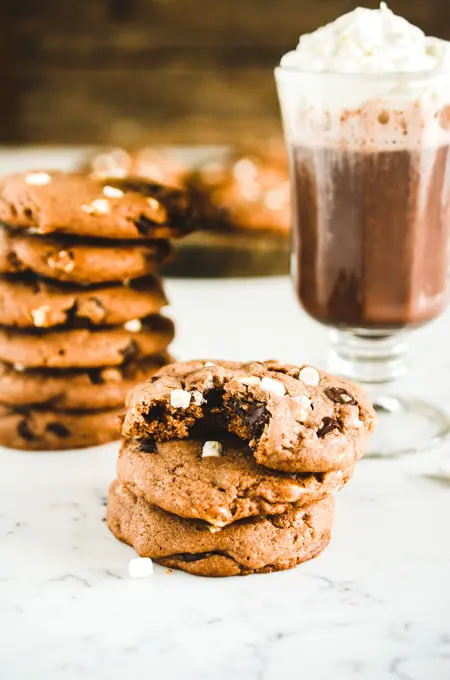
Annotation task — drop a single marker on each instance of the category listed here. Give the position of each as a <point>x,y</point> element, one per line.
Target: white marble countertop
<point>375,605</point>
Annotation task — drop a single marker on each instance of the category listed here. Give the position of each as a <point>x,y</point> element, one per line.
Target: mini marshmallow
<point>180,398</point>
<point>113,192</point>
<point>212,450</point>
<point>100,206</point>
<point>309,376</point>
<point>38,179</point>
<point>140,567</point>
<point>133,326</point>
<point>41,316</point>
<point>274,387</point>
<point>198,398</point>
<point>62,260</point>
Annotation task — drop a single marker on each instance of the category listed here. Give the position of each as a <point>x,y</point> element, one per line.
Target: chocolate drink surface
<point>371,231</point>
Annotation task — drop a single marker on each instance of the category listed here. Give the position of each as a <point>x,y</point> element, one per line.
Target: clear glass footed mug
<point>370,174</point>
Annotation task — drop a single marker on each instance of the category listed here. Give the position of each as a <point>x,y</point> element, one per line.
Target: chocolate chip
<point>156,413</point>
<point>254,416</point>
<point>14,261</point>
<point>328,424</point>
<point>130,351</point>
<point>28,213</point>
<point>95,377</point>
<point>60,430</point>
<point>340,396</point>
<point>147,446</point>
<point>191,557</point>
<point>144,225</point>
<point>23,430</point>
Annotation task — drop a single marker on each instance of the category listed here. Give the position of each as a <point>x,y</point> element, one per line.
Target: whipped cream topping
<point>370,79</point>
<point>369,41</point>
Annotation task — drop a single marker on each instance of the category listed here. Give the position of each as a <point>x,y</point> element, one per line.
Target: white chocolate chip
<point>274,387</point>
<point>209,363</point>
<point>140,567</point>
<point>249,380</point>
<point>133,326</point>
<point>303,407</point>
<point>212,450</point>
<point>38,179</point>
<point>214,530</point>
<point>113,192</point>
<point>309,376</point>
<point>19,367</point>
<point>100,206</point>
<point>198,398</point>
<point>41,316</point>
<point>180,398</point>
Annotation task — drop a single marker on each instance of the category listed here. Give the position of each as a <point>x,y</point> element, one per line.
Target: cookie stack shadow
<point>80,302</point>
<point>231,469</point>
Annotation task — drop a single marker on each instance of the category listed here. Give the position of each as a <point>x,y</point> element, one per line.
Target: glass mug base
<point>375,358</point>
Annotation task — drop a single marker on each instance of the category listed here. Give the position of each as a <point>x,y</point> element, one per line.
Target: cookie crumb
<point>168,572</point>
<point>133,326</point>
<point>212,449</point>
<point>38,179</point>
<point>41,316</point>
<point>100,206</point>
<point>140,567</point>
<point>249,380</point>
<point>274,387</point>
<point>309,376</point>
<point>113,192</point>
<point>180,398</point>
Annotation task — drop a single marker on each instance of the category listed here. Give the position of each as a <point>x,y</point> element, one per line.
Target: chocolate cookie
<point>67,259</point>
<point>295,419</point>
<point>216,481</point>
<point>85,205</point>
<point>258,545</point>
<point>72,390</point>
<point>39,304</point>
<point>35,430</point>
<point>84,347</point>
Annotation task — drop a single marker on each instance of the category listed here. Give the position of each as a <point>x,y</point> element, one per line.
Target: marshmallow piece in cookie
<point>180,398</point>
<point>309,376</point>
<point>212,449</point>
<point>274,387</point>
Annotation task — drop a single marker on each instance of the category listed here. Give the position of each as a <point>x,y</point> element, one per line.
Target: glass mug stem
<point>368,356</point>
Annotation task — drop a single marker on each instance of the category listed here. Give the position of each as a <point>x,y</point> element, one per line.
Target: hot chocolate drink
<point>371,235</point>
<point>365,104</point>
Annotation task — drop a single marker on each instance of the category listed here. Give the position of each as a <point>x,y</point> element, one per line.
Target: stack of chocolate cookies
<point>231,468</point>
<point>80,302</point>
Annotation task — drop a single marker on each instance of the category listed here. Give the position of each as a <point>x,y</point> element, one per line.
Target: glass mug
<point>370,177</point>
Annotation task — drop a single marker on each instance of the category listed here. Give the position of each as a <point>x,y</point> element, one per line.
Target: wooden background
<point>145,71</point>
